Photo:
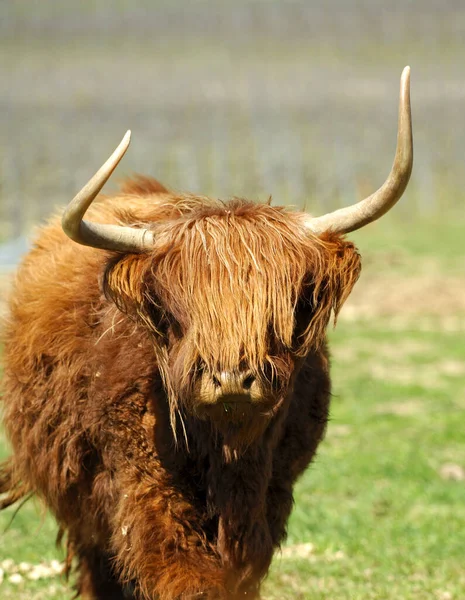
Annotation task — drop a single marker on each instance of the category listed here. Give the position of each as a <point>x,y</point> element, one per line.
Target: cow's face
<point>236,296</point>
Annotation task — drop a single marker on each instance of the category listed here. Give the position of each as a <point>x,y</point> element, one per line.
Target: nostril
<point>232,382</point>
<point>248,381</point>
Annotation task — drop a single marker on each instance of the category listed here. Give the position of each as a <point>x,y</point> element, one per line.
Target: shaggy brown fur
<point>163,493</point>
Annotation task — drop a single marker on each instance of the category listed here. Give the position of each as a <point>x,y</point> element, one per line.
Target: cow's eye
<point>176,328</point>
<point>302,315</point>
<point>155,314</point>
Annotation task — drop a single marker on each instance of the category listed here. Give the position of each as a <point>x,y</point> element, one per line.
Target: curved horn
<point>97,235</point>
<point>358,215</point>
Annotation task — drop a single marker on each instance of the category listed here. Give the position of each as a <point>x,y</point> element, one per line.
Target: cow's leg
<point>159,543</point>
<point>238,489</point>
<point>158,536</point>
<point>279,507</point>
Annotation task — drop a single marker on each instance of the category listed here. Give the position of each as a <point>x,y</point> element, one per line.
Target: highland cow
<point>167,381</point>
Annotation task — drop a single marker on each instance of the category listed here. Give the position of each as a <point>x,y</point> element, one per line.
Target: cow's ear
<point>335,269</point>
<point>125,281</point>
<point>128,282</point>
<point>343,267</point>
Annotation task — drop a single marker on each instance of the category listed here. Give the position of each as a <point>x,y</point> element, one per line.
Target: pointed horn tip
<point>405,78</point>
<point>405,87</point>
<point>127,138</point>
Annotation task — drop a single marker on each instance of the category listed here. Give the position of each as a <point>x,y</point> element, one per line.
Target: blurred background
<point>298,100</point>
<point>292,98</point>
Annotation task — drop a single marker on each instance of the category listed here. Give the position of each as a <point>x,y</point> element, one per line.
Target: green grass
<point>383,518</point>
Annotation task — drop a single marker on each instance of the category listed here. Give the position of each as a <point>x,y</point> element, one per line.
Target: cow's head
<point>235,294</point>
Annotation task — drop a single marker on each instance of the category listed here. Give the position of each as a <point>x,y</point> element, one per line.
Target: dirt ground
<point>408,296</point>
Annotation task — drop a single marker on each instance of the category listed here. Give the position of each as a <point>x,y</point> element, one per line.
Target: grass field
<point>381,512</point>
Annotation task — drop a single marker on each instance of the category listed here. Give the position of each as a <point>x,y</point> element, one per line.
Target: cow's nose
<point>231,383</point>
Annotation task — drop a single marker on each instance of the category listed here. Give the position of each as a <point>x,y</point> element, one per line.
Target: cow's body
<point>167,381</point>
<point>174,508</point>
